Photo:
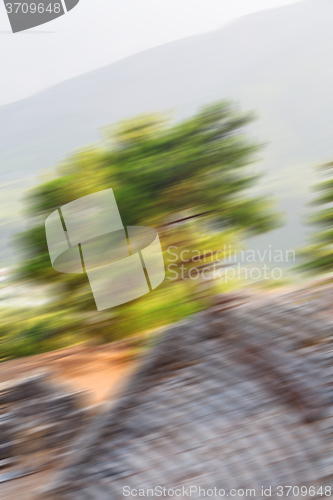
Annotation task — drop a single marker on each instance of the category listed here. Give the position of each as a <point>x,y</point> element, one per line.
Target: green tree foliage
<point>318,255</point>
<point>191,181</point>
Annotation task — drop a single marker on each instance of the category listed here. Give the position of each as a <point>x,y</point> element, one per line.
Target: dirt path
<point>98,370</point>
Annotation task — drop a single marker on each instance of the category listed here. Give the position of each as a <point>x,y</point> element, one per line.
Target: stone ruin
<point>239,396</point>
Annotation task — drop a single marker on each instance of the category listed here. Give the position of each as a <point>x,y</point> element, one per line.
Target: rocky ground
<point>237,396</point>
<point>244,387</point>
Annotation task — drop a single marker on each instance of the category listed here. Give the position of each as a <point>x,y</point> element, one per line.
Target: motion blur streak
<point>220,376</point>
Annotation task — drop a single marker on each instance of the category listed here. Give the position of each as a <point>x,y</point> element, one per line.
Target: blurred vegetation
<point>318,256</point>
<point>191,181</point>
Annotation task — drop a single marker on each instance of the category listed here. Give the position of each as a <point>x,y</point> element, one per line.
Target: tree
<point>189,180</point>
<point>318,255</point>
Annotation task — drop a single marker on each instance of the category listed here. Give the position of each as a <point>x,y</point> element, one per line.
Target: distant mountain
<point>277,62</point>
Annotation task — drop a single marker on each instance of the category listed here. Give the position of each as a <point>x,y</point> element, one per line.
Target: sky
<point>98,32</point>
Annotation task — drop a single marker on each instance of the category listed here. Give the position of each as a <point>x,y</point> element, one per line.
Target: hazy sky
<point>99,32</point>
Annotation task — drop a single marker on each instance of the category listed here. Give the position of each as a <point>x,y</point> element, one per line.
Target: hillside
<point>277,62</point>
